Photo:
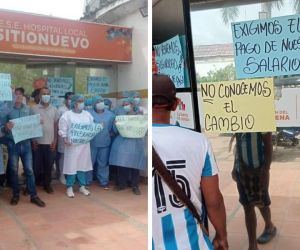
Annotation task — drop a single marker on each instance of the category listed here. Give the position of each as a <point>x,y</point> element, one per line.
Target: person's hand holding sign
<point>66,141</point>
<point>9,126</point>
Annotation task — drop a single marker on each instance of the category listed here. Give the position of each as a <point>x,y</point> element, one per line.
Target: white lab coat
<point>60,142</point>
<point>77,157</point>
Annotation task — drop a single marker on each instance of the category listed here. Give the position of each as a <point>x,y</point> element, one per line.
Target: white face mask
<point>80,106</point>
<point>100,105</point>
<point>45,98</point>
<point>137,100</point>
<point>127,108</point>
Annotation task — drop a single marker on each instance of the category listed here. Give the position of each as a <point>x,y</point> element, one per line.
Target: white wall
<point>134,76</point>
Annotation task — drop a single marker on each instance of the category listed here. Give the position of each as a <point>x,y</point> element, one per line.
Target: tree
<point>223,74</point>
<point>230,14</point>
<point>21,76</point>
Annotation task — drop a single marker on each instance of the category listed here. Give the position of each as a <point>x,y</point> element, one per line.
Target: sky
<point>70,9</point>
<point>207,30</point>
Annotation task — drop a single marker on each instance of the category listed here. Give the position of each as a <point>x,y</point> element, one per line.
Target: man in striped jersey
<point>253,156</point>
<point>189,158</point>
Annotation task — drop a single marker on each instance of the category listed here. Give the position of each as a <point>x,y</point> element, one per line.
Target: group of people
<point>188,157</point>
<point>82,162</point>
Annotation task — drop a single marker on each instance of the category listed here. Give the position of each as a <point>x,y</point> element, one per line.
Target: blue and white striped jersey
<point>251,149</point>
<point>188,156</point>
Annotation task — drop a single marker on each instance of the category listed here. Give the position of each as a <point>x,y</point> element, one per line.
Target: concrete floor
<point>104,220</point>
<point>285,197</point>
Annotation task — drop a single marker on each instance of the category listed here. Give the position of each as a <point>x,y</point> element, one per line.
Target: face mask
<point>106,107</point>
<point>45,98</point>
<point>127,108</point>
<point>80,106</point>
<point>100,105</point>
<point>137,100</point>
<point>24,101</point>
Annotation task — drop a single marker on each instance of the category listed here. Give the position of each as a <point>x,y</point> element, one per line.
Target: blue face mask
<point>137,100</point>
<point>127,108</point>
<point>45,98</point>
<point>80,106</point>
<point>100,105</point>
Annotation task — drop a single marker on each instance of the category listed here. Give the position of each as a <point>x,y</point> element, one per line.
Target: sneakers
<point>84,191</point>
<point>267,235</point>
<point>70,192</point>
<point>105,187</point>
<point>14,200</point>
<point>136,190</point>
<point>37,201</point>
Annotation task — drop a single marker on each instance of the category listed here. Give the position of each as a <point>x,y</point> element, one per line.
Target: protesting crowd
<point>98,152</point>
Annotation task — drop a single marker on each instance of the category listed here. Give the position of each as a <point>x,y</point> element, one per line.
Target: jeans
<point>100,157</point>
<point>21,150</point>
<point>44,160</point>
<point>81,176</point>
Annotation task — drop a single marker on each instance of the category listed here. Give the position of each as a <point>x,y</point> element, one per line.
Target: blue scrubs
<point>100,146</point>
<point>128,155</point>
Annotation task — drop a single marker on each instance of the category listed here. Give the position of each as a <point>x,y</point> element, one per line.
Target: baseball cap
<point>163,86</point>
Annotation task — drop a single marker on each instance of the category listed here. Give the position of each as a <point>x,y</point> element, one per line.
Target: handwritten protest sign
<point>182,39</point>
<point>60,85</point>
<point>170,61</point>
<point>132,126</point>
<point>239,106</point>
<point>5,89</point>
<point>57,101</point>
<point>81,133</point>
<point>98,84</point>
<point>27,127</point>
<point>267,47</point>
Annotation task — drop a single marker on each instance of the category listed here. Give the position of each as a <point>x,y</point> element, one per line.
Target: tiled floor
<point>110,220</point>
<point>284,191</point>
<point>104,220</point>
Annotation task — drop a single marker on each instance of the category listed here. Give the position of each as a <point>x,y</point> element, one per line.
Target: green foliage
<point>81,80</point>
<point>20,76</point>
<point>223,74</point>
<point>24,77</point>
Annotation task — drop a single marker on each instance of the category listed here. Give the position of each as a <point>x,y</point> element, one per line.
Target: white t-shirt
<point>188,155</point>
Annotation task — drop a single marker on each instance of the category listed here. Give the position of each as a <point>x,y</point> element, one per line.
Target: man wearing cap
<point>195,169</point>
<point>77,159</point>
<point>127,154</point>
<point>100,144</point>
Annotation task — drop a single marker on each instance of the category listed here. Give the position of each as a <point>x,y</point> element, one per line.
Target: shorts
<point>251,193</point>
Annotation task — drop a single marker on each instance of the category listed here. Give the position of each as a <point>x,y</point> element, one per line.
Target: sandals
<point>267,236</point>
